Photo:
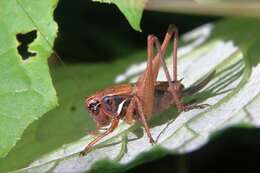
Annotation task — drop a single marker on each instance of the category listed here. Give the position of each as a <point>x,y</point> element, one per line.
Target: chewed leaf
<point>27,33</point>
<point>233,93</point>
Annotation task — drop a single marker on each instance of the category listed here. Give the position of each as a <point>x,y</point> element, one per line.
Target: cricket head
<point>103,108</point>
<point>95,108</point>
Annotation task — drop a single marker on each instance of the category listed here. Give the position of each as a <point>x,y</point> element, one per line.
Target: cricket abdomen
<point>163,100</point>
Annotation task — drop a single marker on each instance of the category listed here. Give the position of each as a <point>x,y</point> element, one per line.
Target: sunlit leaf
<point>26,91</point>
<point>132,10</point>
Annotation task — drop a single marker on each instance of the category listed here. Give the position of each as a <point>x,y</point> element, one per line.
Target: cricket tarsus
<point>145,98</point>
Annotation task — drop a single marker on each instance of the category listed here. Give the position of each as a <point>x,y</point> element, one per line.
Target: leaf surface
<point>26,90</point>
<point>132,10</point>
<point>230,47</point>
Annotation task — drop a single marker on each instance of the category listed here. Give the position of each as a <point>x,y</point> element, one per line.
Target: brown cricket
<point>140,100</point>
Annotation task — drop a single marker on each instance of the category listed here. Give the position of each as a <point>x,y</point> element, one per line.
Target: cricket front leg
<point>114,124</point>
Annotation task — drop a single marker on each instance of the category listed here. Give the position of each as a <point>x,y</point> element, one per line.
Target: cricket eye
<point>107,100</point>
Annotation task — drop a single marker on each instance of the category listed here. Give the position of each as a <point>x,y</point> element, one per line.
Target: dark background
<point>95,32</point>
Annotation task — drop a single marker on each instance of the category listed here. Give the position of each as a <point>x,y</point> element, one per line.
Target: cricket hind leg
<point>143,99</point>
<point>145,86</point>
<point>175,87</point>
<point>195,106</point>
<point>156,60</point>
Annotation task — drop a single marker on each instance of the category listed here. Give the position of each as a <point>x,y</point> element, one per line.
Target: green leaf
<point>26,91</point>
<point>70,121</point>
<point>231,47</point>
<point>132,10</point>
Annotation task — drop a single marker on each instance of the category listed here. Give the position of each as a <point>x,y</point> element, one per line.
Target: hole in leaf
<point>25,40</point>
